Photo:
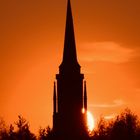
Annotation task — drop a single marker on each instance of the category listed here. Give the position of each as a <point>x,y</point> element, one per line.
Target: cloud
<point>108,117</point>
<point>116,103</point>
<point>106,51</point>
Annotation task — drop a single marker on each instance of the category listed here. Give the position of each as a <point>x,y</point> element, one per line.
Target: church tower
<point>69,97</point>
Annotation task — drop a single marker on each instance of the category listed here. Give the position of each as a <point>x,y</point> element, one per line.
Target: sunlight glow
<point>90,120</point>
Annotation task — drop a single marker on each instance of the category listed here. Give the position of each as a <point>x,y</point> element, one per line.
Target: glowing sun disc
<point>90,121</point>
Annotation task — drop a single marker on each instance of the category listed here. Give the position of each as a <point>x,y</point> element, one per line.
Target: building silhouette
<point>70,95</point>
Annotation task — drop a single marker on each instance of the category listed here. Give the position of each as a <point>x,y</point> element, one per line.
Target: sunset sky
<point>31,46</point>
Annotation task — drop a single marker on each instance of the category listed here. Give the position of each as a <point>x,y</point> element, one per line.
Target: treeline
<point>21,131</point>
<point>125,126</point>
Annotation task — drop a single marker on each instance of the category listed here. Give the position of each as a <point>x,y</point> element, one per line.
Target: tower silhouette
<point>69,98</point>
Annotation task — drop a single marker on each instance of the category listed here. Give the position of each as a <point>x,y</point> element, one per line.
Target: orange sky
<point>31,45</point>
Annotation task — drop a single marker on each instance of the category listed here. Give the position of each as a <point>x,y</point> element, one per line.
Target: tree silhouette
<point>22,132</point>
<point>126,126</point>
<point>46,134</point>
<point>3,130</point>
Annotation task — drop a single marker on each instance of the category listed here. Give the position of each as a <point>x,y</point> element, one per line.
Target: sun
<point>90,120</point>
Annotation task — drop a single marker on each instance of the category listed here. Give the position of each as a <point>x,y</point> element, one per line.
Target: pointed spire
<point>85,96</point>
<point>69,54</point>
<point>54,99</point>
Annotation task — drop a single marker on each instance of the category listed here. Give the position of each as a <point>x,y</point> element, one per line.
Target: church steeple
<point>68,108</point>
<point>69,54</point>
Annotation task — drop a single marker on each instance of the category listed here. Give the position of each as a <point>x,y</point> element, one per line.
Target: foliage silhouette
<point>125,126</point>
<point>22,132</point>
<point>45,134</point>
